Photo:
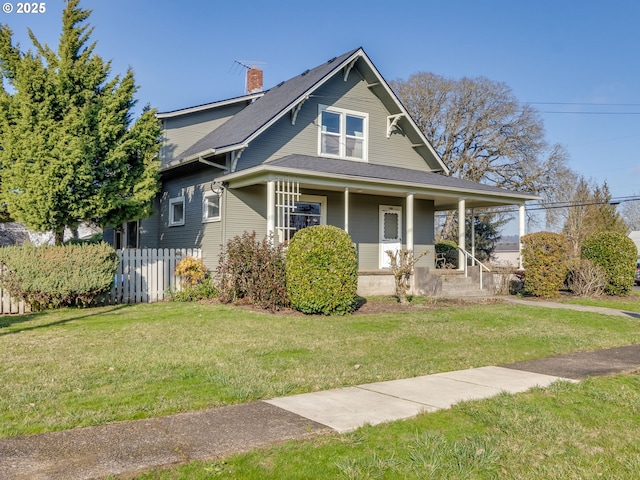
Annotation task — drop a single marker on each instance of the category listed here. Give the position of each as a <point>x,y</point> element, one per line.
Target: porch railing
<point>467,257</point>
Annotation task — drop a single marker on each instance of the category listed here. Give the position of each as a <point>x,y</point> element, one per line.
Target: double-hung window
<point>176,211</point>
<point>343,133</point>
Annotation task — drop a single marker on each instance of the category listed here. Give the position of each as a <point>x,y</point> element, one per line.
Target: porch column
<point>409,239</point>
<point>461,232</point>
<point>346,209</point>
<point>271,210</point>
<point>473,237</point>
<point>521,233</point>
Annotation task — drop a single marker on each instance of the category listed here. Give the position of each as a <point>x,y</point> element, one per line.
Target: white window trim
<point>205,209</point>
<point>172,202</point>
<point>343,132</point>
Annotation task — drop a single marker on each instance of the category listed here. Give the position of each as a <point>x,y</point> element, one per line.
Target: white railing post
<point>467,255</point>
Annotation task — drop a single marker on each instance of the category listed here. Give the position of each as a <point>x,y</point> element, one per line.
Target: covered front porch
<point>382,208</point>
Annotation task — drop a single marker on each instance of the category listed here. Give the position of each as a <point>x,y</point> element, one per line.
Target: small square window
<point>211,207</point>
<point>176,211</point>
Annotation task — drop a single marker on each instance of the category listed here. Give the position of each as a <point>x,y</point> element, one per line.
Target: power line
<point>554,205</point>
<point>590,104</point>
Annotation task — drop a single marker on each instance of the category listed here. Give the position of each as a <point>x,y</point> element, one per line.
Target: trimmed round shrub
<point>322,271</point>
<point>544,257</point>
<point>617,255</point>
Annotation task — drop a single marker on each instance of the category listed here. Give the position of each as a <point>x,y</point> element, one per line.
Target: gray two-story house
<point>333,145</point>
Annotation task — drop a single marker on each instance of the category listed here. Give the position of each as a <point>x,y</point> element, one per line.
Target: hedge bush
<point>57,276</point>
<point>544,257</point>
<point>322,271</point>
<point>251,270</point>
<point>617,255</point>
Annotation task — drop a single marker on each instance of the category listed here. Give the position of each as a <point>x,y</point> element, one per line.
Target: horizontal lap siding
<point>283,138</point>
<point>247,211</point>
<point>194,233</point>
<point>182,132</point>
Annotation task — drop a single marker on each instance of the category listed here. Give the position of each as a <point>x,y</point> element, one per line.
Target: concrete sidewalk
<point>129,447</point>
<point>346,409</point>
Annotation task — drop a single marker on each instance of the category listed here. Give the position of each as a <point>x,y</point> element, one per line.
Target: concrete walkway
<point>130,447</point>
<point>569,306</point>
<point>346,409</point>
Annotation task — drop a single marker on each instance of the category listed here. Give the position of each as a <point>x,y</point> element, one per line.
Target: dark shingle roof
<point>387,173</point>
<point>242,126</point>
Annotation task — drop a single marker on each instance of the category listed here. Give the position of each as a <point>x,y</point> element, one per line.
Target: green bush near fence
<point>57,276</point>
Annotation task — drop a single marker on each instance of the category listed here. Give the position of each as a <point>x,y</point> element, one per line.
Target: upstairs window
<point>343,133</point>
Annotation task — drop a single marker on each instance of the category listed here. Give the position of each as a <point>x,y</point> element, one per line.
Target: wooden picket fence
<point>143,276</point>
<point>147,275</point>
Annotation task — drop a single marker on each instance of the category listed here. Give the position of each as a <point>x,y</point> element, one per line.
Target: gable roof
<point>264,111</point>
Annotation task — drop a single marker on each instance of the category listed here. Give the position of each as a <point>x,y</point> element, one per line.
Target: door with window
<point>390,232</point>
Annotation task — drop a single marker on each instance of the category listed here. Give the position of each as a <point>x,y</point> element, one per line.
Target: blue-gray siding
<point>302,138</point>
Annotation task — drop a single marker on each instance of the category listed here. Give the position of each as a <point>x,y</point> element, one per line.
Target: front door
<point>390,232</point>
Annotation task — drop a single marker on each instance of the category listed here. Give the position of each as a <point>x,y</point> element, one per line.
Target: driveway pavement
<point>130,447</point>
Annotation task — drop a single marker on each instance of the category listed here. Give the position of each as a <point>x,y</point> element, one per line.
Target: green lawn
<point>74,368</point>
<point>579,431</point>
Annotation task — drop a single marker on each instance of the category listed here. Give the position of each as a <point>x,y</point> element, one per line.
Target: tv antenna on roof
<point>247,65</point>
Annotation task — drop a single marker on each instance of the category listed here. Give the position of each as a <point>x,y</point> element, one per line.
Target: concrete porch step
<point>454,284</point>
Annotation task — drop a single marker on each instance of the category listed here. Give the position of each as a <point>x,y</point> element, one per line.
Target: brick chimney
<point>254,80</point>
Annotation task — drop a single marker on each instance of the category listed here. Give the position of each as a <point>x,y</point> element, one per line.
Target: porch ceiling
<point>368,179</point>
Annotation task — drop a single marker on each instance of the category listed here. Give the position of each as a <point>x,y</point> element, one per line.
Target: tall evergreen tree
<point>71,152</point>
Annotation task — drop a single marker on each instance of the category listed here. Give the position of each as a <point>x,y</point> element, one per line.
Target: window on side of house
<point>132,230</point>
<point>343,133</point>
<point>176,211</point>
<point>211,207</point>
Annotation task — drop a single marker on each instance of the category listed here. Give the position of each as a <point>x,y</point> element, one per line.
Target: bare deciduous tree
<point>483,133</point>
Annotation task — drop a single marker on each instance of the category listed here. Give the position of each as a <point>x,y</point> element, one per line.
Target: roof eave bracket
<point>295,110</point>
<point>392,122</point>
<point>348,68</point>
<point>213,164</point>
<point>235,156</point>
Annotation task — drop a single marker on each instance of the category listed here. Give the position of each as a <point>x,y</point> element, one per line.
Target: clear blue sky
<point>580,57</point>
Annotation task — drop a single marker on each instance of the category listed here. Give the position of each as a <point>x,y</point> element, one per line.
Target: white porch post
<point>271,210</point>
<point>521,233</point>
<point>409,239</point>
<point>473,236</point>
<point>461,232</point>
<point>346,209</point>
